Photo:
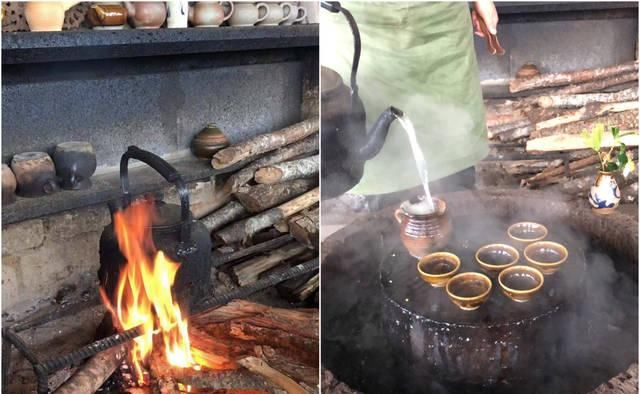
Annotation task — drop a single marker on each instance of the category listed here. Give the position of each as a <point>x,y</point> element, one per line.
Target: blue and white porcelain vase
<point>605,193</point>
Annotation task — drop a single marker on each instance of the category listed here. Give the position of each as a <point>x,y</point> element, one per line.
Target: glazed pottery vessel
<point>107,16</point>
<point>210,14</point>
<point>494,258</point>
<point>247,14</point>
<point>35,174</point>
<point>146,15</point>
<point>207,142</point>
<point>546,256</point>
<point>469,290</point>
<point>523,233</point>
<point>422,233</point>
<point>296,14</point>
<point>75,163</point>
<point>46,15</point>
<point>9,185</point>
<point>520,282</point>
<point>177,14</point>
<point>278,13</point>
<point>604,195</point>
<point>437,268</point>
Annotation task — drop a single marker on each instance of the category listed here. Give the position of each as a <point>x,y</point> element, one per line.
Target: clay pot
<point>604,195</point>
<point>46,15</point>
<point>146,15</point>
<point>420,233</point>
<point>35,174</point>
<point>75,163</point>
<point>527,71</point>
<point>247,14</point>
<point>107,16</point>
<point>209,14</point>
<point>207,142</point>
<point>9,185</point>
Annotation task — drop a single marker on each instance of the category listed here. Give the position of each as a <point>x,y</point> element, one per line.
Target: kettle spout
<point>378,133</point>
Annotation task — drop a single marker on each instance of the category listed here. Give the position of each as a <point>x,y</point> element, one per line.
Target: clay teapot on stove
<point>346,145</point>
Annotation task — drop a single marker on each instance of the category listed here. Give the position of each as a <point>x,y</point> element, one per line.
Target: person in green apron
<point>418,57</point>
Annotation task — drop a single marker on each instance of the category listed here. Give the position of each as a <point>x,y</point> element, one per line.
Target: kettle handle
<point>335,6</point>
<point>169,173</point>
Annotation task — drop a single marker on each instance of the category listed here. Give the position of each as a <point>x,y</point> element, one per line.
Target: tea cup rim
<point>540,238</point>
<point>565,253</point>
<point>507,271</point>
<point>484,264</point>
<point>446,255</point>
<point>480,296</point>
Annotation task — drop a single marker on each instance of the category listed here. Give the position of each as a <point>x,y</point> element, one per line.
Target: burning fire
<point>144,293</point>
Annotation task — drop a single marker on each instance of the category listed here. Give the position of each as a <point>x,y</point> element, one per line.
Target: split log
<point>260,197</point>
<point>516,134</point>
<point>580,100</point>
<point>304,228</point>
<point>304,291</point>
<point>589,111</point>
<point>597,85</point>
<point>229,213</point>
<point>282,226</point>
<point>94,372</point>
<point>549,174</point>
<point>264,143</point>
<point>495,119</point>
<point>566,142</point>
<point>290,170</point>
<point>249,271</point>
<point>623,383</point>
<point>260,367</point>
<point>300,148</point>
<point>244,229</point>
<point>296,370</point>
<point>496,130</point>
<point>224,258</point>
<point>626,120</point>
<point>566,78</point>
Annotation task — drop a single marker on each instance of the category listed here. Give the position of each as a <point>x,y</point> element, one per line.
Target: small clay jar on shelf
<point>35,174</point>
<point>9,185</point>
<point>75,163</point>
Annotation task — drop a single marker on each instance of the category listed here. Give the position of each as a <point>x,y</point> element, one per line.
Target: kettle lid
<point>331,82</point>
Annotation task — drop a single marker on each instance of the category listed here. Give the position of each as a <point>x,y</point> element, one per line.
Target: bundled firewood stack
<point>271,216</point>
<point>535,138</point>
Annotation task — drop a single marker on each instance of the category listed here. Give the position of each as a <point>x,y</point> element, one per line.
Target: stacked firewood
<point>535,138</point>
<point>271,216</point>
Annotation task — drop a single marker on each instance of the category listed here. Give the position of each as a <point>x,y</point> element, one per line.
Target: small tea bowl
<point>437,268</point>
<point>546,256</point>
<point>496,257</point>
<point>520,282</point>
<point>469,290</point>
<point>523,233</point>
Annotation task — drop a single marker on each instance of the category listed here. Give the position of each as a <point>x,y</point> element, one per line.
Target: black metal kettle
<point>346,145</point>
<point>174,231</point>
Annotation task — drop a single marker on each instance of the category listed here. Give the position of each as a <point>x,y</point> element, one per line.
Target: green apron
<point>418,57</point>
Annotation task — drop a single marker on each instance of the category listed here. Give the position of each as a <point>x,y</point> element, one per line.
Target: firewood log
<point>244,229</point>
<point>304,228</point>
<point>296,370</point>
<point>580,100</point>
<point>551,173</point>
<point>229,213</point>
<point>496,130</point>
<point>94,372</point>
<point>250,270</point>
<point>289,170</point>
<point>224,258</point>
<point>565,78</point>
<point>516,134</point>
<point>596,85</point>
<point>567,142</point>
<point>626,120</point>
<point>264,143</point>
<point>300,148</point>
<point>260,197</point>
<point>589,111</point>
<point>260,367</point>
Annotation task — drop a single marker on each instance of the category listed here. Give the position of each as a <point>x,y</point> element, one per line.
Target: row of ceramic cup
<point>35,174</point>
<point>469,290</point>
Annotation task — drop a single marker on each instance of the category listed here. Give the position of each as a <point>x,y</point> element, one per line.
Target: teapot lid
<point>331,81</point>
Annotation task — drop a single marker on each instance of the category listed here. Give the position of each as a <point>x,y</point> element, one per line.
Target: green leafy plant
<point>615,159</point>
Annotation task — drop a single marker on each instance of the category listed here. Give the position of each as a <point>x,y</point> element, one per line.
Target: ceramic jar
<point>604,195</point>
<point>177,14</point>
<point>46,15</point>
<point>421,233</point>
<point>296,14</point>
<point>75,163</point>
<point>107,16</point>
<point>9,185</point>
<point>35,174</point>
<point>278,13</point>
<point>210,14</point>
<point>146,15</point>
<point>248,14</point>
<point>208,141</point>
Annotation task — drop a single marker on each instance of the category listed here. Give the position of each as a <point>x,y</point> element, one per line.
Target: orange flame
<point>144,292</point>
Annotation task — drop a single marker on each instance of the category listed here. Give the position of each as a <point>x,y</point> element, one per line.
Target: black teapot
<point>346,145</point>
